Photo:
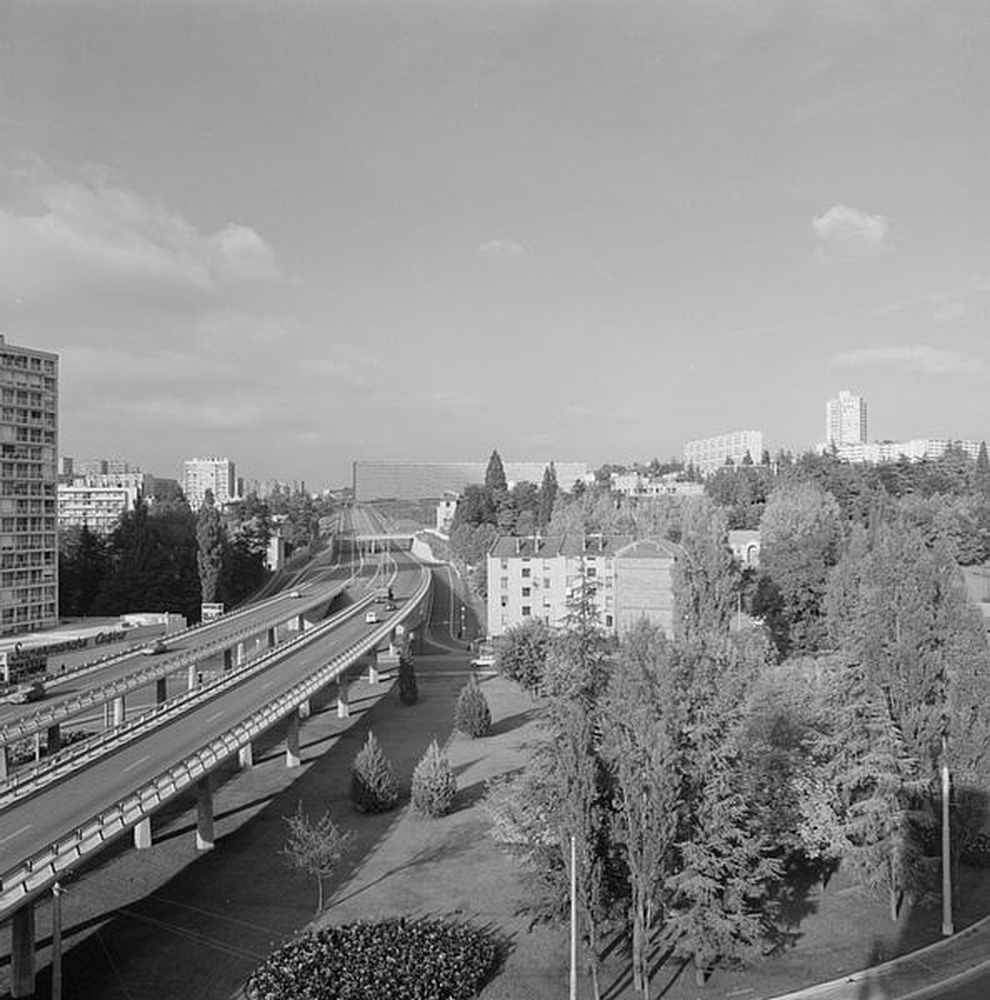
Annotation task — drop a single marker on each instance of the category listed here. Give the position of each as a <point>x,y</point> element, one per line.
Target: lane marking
<point>137,762</point>
<point>16,833</point>
<point>215,715</point>
<point>264,687</point>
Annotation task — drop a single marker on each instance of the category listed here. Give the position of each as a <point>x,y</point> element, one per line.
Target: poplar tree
<point>495,474</point>
<point>547,497</point>
<point>209,554</point>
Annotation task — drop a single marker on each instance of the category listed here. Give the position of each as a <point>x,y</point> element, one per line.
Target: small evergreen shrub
<point>433,784</point>
<point>427,959</point>
<point>374,787</point>
<point>472,716</point>
<point>408,691</point>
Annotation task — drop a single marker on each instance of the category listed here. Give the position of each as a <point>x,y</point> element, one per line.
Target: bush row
<point>394,959</point>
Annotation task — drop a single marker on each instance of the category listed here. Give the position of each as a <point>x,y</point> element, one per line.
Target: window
<point>546,582</point>
<point>591,571</point>
<point>526,611</point>
<point>526,591</point>
<point>505,564</point>
<point>526,572</point>
<point>505,583</point>
<point>608,621</point>
<point>505,601</point>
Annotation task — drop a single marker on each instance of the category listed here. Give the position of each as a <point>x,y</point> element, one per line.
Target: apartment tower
<point>845,419</point>
<point>202,474</point>
<point>28,486</point>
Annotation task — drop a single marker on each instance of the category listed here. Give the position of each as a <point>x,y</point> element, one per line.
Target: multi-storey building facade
<point>913,450</point>
<point>709,454</point>
<point>632,484</point>
<point>845,419</point>
<point>202,474</point>
<point>28,480</point>
<point>98,508</point>
<point>535,577</point>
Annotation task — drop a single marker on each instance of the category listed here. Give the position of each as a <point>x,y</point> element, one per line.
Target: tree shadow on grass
<point>510,722</point>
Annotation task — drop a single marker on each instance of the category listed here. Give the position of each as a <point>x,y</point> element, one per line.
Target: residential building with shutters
<point>28,482</point>
<point>536,576</point>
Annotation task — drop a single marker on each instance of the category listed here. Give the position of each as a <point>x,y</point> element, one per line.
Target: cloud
<point>501,250</point>
<point>848,233</point>
<point>928,360</point>
<point>944,307</point>
<point>97,235</point>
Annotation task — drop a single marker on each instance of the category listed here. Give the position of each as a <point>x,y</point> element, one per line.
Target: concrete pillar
<point>343,701</point>
<point>228,659</point>
<point>119,710</point>
<point>192,678</point>
<point>245,756</point>
<point>305,709</point>
<point>301,623</point>
<point>292,758</point>
<point>161,690</point>
<point>272,639</point>
<point>204,814</point>
<point>142,834</point>
<point>37,747</point>
<point>22,964</point>
<point>373,675</point>
<point>4,762</point>
<point>54,739</point>
<point>240,657</point>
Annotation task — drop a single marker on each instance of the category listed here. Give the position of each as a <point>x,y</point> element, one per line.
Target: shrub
<point>408,691</point>
<point>374,787</point>
<point>433,784</point>
<point>472,716</point>
<point>428,959</point>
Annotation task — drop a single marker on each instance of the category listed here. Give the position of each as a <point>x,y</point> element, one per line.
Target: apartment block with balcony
<point>28,481</point>
<point>845,419</point>
<point>535,577</point>
<point>99,508</point>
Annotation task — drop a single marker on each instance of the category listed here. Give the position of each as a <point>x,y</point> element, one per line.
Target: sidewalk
<point>923,973</point>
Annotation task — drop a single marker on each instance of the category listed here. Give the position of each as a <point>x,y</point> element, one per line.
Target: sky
<point>304,233</point>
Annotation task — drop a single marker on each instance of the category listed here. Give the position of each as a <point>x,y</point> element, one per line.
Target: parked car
<point>295,593</point>
<point>21,694</point>
<point>390,605</point>
<point>156,647</point>
<point>371,617</point>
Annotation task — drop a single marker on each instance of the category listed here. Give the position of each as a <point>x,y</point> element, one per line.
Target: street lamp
<point>57,941</point>
<point>947,927</point>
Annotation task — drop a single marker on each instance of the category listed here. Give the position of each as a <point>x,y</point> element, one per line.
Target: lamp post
<point>57,941</point>
<point>574,932</point>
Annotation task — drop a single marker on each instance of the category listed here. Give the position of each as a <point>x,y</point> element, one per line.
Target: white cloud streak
<point>928,360</point>
<point>501,250</point>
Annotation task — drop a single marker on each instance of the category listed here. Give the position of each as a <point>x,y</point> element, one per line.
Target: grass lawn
<point>450,866</point>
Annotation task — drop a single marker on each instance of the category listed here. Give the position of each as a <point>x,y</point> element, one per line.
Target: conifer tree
<point>433,783</point>
<point>374,787</point>
<point>547,497</point>
<point>209,556</point>
<point>495,474</point>
<point>472,716</point>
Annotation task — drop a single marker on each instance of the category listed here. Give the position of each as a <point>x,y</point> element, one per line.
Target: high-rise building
<point>28,485</point>
<point>845,419</point>
<point>202,474</point>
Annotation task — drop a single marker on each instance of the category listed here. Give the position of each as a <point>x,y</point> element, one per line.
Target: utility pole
<point>947,926</point>
<point>574,933</point>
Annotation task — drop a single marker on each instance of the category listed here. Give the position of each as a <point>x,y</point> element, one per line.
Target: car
<point>26,692</point>
<point>371,617</point>
<point>390,605</point>
<point>294,593</point>
<point>156,647</point>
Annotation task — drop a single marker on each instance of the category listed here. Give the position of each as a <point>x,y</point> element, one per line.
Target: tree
<point>315,847</point>
<point>706,576</point>
<point>800,535</point>
<point>433,784</point>
<point>640,723</point>
<point>981,476</point>
<point>374,787</point>
<point>495,474</point>
<point>408,689</point>
<point>720,896</point>
<point>472,716</point>
<point>521,653</point>
<point>83,564</point>
<point>547,496</point>
<point>209,555</point>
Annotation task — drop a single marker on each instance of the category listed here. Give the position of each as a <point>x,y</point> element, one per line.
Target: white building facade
<point>99,508</point>
<point>202,474</point>
<point>845,419</point>
<point>534,577</point>
<point>709,454</point>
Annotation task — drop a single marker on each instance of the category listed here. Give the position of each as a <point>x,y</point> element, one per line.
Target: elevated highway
<point>65,821</point>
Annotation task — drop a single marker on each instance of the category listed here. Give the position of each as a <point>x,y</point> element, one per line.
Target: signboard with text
<point>210,612</point>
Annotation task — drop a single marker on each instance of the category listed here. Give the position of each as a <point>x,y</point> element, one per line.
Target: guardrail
<point>43,718</point>
<point>30,780</point>
<point>36,873</point>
